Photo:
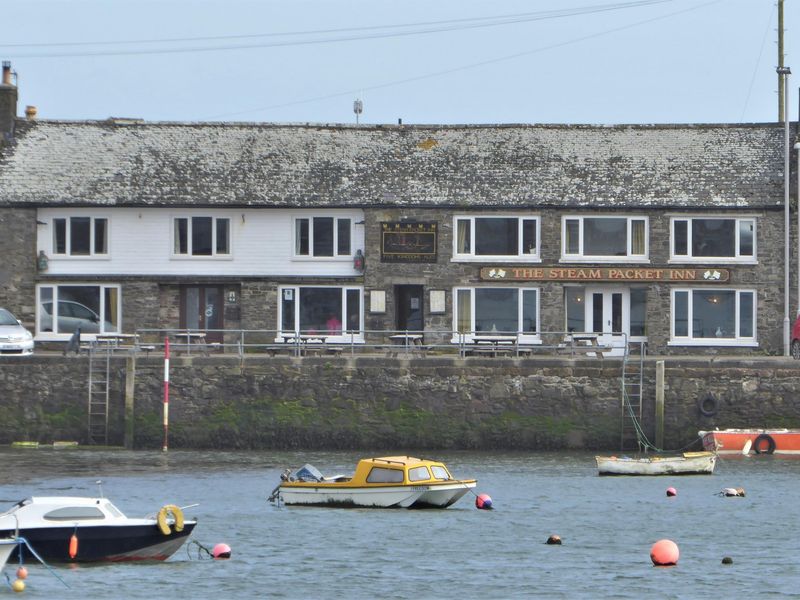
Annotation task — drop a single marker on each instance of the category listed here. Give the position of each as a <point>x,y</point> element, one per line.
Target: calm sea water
<point>607,526</point>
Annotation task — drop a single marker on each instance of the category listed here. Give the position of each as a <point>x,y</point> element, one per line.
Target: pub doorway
<point>202,308</point>
<point>409,309</point>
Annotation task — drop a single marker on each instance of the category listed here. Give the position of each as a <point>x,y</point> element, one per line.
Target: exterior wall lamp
<point>42,261</point>
<point>359,261</point>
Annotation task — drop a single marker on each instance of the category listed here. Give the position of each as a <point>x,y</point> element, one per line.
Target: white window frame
<point>310,255</point>
<point>522,337</point>
<point>689,340</point>
<point>521,256</point>
<point>68,237</point>
<point>599,258</point>
<point>345,337</point>
<point>50,335</point>
<point>688,258</point>
<point>189,255</point>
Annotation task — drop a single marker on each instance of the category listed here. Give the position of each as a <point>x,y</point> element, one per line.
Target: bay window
<point>706,238</point>
<point>80,236</point>
<point>323,236</point>
<point>201,236</point>
<point>324,310</point>
<point>496,310</point>
<point>497,237</point>
<point>604,238</point>
<point>714,317</point>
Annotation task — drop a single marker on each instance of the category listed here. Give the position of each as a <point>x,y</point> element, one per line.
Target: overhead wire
<point>468,66</point>
<point>419,28</point>
<point>758,61</point>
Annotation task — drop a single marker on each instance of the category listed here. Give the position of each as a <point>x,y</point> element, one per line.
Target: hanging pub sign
<point>413,242</point>
<point>605,274</point>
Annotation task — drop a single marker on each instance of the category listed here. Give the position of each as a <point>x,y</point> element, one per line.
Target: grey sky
<point>552,61</point>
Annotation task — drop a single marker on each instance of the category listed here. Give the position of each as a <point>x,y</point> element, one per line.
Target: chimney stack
<point>8,104</point>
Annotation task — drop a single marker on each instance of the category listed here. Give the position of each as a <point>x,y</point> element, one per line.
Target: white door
<point>608,314</point>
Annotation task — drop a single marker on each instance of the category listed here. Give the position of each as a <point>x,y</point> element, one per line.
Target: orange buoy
<point>664,553</point>
<point>73,545</point>
<point>22,572</point>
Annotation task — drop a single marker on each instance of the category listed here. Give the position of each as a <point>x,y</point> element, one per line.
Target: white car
<point>14,338</point>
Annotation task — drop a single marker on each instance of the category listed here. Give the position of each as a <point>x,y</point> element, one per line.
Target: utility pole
<point>781,79</point>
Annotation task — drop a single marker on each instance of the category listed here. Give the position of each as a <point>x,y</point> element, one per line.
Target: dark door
<point>410,313</point>
<point>201,308</point>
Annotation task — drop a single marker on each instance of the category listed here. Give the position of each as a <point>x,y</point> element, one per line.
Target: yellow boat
<point>386,482</point>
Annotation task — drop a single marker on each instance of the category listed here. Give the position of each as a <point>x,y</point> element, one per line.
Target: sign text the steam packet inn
<point>588,274</point>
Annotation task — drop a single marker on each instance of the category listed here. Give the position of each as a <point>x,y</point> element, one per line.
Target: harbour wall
<point>386,403</point>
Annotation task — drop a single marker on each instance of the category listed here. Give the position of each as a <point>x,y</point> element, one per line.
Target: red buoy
<point>483,502</point>
<point>22,572</point>
<point>221,551</point>
<point>73,546</point>
<point>671,491</point>
<point>664,553</point>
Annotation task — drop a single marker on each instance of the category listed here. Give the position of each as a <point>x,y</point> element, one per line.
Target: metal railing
<point>387,342</point>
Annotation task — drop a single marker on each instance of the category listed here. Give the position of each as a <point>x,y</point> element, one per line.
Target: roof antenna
<point>358,108</point>
<point>99,484</point>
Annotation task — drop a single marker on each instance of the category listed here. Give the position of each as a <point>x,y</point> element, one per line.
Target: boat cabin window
<point>418,474</point>
<point>70,513</point>
<point>383,475</point>
<point>440,472</point>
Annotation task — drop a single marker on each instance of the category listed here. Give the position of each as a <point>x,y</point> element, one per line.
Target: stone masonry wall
<point>391,404</point>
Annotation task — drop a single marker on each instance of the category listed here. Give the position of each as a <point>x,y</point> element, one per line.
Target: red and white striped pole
<point>166,394</point>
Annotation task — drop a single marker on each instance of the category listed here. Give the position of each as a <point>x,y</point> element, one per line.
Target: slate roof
<point>124,163</point>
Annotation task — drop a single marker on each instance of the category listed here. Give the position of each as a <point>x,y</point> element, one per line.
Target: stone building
<point>669,234</point>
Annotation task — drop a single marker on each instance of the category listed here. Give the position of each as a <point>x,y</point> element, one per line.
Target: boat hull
<point>399,496</point>
<point>103,543</point>
<point>7,548</point>
<point>695,463</point>
<point>732,441</point>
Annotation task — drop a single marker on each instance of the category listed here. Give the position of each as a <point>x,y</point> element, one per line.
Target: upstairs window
<point>705,238</point>
<point>497,238</point>
<point>80,236</point>
<point>201,236</point>
<point>604,238</point>
<point>322,236</point>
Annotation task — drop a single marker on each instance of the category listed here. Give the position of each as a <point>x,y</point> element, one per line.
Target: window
<point>605,238</point>
<point>80,236</point>
<point>718,238</point>
<point>497,237</point>
<point>62,309</point>
<point>71,513</point>
<point>713,317</point>
<point>497,310</point>
<point>201,236</point>
<point>440,472</point>
<point>383,475</point>
<point>330,311</point>
<point>322,236</point>
<point>418,474</point>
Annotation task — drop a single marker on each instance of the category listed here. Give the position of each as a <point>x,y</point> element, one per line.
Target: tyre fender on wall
<point>764,444</point>
<point>708,405</point>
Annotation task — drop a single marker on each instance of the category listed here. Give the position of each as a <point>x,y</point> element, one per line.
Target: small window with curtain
<point>496,237</point>
<point>604,238</point>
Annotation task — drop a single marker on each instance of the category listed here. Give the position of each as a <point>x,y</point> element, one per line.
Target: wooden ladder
<point>99,379</point>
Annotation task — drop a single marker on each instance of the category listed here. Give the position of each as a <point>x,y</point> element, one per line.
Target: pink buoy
<point>664,553</point>
<point>483,502</point>
<point>671,491</point>
<point>221,551</point>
